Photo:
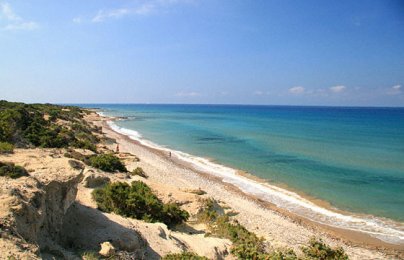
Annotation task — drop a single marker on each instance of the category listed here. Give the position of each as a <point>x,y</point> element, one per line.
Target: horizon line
<point>232,104</point>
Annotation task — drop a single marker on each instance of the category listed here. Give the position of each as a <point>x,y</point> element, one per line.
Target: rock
<point>33,208</point>
<point>86,227</point>
<point>107,249</point>
<point>76,165</point>
<point>162,233</point>
<point>95,180</point>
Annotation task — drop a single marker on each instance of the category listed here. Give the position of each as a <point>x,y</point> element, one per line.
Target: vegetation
<point>247,245</point>
<point>184,256</point>
<point>90,255</point>
<point>138,201</point>
<point>45,125</point>
<point>6,148</point>
<point>12,171</point>
<point>139,172</point>
<point>317,249</point>
<point>107,162</point>
<point>198,191</point>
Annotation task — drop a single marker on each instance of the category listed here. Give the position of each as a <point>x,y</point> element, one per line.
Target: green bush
<point>287,254</point>
<point>90,255</point>
<point>208,214</point>
<point>317,249</point>
<point>172,214</point>
<point>246,244</point>
<point>25,125</point>
<point>12,171</point>
<point>107,162</point>
<point>139,172</point>
<point>6,147</point>
<point>138,201</point>
<point>184,256</point>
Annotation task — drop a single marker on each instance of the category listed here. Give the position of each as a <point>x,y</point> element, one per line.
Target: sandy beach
<point>279,228</point>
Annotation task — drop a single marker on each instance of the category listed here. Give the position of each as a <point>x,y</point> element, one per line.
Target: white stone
<point>107,249</point>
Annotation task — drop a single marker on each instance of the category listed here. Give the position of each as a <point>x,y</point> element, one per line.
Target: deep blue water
<point>352,158</point>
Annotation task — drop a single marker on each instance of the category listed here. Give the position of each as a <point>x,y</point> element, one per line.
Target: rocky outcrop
<point>86,228</point>
<point>93,180</point>
<point>34,207</point>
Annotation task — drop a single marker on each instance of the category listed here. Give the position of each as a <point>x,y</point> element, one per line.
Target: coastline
<point>279,226</point>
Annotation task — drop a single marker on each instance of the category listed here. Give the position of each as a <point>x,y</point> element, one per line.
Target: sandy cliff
<point>32,209</point>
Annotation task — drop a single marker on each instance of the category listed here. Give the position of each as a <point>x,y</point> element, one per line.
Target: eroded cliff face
<point>33,208</point>
<point>37,219</point>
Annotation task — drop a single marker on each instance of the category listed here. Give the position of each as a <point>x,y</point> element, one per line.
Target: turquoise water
<point>352,158</point>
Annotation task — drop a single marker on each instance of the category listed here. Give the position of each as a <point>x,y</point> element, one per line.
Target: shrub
<point>288,254</point>
<point>138,201</point>
<point>25,125</point>
<point>90,255</point>
<point>139,172</point>
<point>208,213</point>
<point>246,244</point>
<point>317,249</point>
<point>6,147</point>
<point>184,256</point>
<point>85,144</point>
<point>172,214</point>
<point>107,162</point>
<point>12,171</point>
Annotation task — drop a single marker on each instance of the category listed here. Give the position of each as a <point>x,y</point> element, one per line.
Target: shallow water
<point>349,157</point>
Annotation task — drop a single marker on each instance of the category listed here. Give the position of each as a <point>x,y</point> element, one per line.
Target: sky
<point>336,53</point>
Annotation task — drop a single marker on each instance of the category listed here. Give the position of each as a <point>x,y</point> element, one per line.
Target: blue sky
<point>203,51</point>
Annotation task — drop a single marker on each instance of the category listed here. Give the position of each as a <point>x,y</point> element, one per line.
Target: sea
<point>351,159</point>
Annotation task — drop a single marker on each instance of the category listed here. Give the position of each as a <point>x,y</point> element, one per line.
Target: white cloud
<point>77,20</point>
<point>261,93</point>
<point>337,89</point>
<point>13,21</point>
<point>395,90</point>
<point>146,8</point>
<point>188,94</point>
<point>297,90</point>
<point>258,93</point>
<point>116,13</point>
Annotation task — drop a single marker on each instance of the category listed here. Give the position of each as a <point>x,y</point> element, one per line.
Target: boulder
<point>94,180</point>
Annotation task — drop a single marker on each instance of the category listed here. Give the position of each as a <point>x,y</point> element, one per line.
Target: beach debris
<point>198,191</point>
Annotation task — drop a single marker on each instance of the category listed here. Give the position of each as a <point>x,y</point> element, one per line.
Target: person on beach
<point>117,148</point>
<point>169,154</point>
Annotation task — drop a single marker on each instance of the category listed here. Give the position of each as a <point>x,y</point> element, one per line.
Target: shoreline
<point>350,238</point>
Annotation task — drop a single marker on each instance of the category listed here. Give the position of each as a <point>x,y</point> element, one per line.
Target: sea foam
<point>383,229</point>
